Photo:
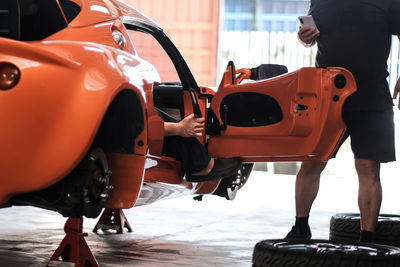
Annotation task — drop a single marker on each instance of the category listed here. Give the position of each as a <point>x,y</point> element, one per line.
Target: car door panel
<point>300,120</point>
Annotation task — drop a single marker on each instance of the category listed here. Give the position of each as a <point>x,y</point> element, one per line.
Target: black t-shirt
<point>356,35</point>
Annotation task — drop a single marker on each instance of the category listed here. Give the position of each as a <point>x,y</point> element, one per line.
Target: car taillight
<point>9,76</point>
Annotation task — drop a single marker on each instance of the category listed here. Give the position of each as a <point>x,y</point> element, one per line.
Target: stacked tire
<point>323,253</point>
<point>346,227</point>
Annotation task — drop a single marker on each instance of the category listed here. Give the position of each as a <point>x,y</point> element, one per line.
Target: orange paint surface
<point>68,81</point>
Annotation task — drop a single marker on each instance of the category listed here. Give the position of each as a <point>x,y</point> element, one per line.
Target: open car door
<point>291,117</point>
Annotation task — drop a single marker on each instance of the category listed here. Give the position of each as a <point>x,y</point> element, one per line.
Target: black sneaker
<point>295,233</point>
<point>223,168</point>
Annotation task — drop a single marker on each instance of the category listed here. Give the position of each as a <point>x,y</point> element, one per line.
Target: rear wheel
<point>323,253</point>
<point>83,192</point>
<point>88,186</point>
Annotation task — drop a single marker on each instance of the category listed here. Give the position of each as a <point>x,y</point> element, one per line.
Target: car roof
<point>97,11</point>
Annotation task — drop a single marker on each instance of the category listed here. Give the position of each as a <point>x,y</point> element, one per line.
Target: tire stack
<point>346,227</point>
<point>342,250</point>
<point>323,253</point>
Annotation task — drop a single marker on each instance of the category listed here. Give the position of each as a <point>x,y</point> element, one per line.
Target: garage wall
<point>193,26</point>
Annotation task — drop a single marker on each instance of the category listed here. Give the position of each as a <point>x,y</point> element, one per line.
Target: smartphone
<point>307,21</point>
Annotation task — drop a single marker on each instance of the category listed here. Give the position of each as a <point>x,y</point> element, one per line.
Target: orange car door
<point>291,117</point>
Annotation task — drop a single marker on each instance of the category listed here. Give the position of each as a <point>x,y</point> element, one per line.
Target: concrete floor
<point>184,232</point>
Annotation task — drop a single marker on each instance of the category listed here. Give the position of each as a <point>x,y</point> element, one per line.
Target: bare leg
<point>307,186</point>
<point>369,192</point>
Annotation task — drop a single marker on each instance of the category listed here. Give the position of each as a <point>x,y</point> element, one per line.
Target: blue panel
<point>275,15</point>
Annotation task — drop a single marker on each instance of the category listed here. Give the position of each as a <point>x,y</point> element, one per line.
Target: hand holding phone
<point>308,21</point>
<point>308,31</point>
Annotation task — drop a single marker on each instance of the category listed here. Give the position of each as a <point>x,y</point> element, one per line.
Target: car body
<point>78,100</point>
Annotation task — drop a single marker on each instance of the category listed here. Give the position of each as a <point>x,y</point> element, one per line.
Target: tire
<point>346,227</point>
<point>323,253</point>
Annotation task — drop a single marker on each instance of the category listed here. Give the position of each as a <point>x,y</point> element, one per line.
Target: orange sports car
<point>79,128</point>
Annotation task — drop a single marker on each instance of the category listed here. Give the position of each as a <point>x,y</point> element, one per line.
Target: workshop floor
<point>184,232</point>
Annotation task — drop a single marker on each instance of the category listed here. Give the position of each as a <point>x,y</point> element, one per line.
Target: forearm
<point>188,127</point>
<point>171,129</point>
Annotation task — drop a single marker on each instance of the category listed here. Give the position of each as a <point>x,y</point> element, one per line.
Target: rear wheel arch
<point>121,124</point>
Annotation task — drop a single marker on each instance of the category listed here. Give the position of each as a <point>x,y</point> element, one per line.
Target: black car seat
<point>169,97</point>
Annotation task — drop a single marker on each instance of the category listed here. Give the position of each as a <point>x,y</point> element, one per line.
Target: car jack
<point>113,219</point>
<point>73,248</point>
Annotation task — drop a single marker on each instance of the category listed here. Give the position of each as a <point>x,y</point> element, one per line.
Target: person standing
<point>356,35</point>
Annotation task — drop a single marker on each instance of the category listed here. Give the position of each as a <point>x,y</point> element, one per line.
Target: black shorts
<point>371,134</point>
<point>188,150</point>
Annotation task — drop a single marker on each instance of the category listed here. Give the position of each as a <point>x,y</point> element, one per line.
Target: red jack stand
<point>73,247</point>
<point>113,219</point>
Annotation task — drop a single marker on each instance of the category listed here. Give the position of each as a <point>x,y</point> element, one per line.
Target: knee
<point>368,169</point>
<point>311,169</point>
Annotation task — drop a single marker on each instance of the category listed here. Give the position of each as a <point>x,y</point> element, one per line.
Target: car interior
<point>32,20</point>
<point>168,100</point>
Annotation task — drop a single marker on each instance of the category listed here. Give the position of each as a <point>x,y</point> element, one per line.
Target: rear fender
<point>54,112</point>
